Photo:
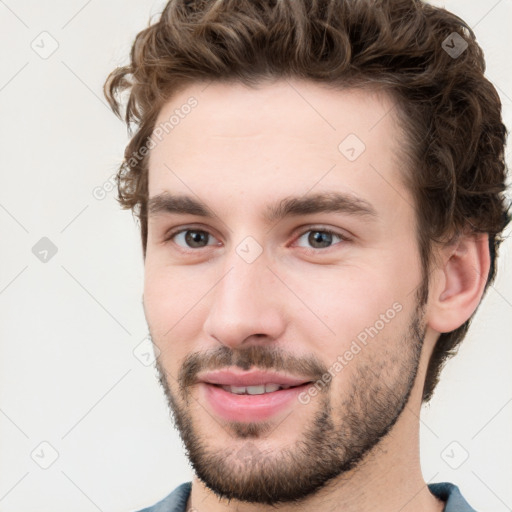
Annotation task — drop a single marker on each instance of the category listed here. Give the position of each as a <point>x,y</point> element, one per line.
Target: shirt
<point>445,491</point>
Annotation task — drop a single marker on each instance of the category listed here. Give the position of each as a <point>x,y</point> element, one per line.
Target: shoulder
<point>451,495</point>
<point>445,491</point>
<point>175,502</point>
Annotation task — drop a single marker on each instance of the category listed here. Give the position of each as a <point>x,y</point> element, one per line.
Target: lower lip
<point>233,407</point>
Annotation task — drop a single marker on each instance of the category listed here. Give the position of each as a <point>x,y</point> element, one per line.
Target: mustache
<point>261,357</point>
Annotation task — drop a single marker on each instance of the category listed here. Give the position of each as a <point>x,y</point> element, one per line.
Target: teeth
<point>254,390</point>
<point>239,390</point>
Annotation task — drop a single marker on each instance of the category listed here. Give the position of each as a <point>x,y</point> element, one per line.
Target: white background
<point>68,327</point>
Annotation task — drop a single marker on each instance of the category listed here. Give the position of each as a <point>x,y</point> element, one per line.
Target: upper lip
<point>251,378</point>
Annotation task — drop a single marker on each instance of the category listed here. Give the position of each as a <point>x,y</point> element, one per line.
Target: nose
<point>246,304</point>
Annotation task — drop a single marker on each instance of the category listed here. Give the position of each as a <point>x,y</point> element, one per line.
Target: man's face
<point>297,297</point>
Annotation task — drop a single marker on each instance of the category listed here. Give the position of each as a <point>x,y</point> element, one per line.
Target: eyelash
<point>319,229</point>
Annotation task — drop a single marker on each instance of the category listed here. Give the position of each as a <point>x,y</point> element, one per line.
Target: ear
<point>460,282</point>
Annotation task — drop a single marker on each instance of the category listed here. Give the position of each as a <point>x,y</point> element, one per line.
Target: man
<point>319,186</point>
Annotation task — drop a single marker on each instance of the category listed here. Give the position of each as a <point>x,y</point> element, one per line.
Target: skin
<point>239,150</point>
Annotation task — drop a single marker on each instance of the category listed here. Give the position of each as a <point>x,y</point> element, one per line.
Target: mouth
<point>261,389</point>
<point>250,396</point>
<point>251,402</point>
<point>253,382</point>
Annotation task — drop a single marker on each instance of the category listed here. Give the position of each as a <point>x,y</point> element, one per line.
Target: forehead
<point>279,139</point>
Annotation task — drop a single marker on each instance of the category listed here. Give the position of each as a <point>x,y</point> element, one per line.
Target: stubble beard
<point>378,393</point>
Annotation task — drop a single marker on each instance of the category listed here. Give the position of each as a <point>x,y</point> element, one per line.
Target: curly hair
<point>450,113</point>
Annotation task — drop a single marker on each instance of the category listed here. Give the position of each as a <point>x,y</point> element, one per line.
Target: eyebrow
<point>325,202</point>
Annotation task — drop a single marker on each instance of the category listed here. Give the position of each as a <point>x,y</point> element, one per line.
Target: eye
<point>193,238</point>
<point>321,238</point>
<point>190,238</point>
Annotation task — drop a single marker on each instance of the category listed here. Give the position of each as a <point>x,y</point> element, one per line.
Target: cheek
<point>361,316</point>
<point>346,300</point>
<point>172,304</point>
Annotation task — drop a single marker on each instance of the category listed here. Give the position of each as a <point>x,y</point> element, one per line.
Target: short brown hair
<point>450,113</point>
